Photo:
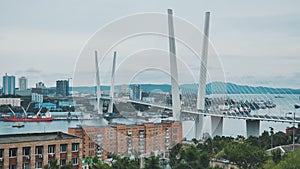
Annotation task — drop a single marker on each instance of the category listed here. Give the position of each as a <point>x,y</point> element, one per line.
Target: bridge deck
<point>242,116</point>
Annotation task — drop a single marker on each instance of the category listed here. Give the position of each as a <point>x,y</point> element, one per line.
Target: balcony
<point>51,155</point>
<point>26,157</point>
<point>39,156</point>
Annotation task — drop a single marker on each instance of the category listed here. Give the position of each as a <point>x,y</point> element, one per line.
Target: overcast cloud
<point>257,42</point>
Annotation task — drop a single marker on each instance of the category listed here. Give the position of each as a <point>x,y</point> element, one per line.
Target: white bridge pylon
<point>176,105</point>
<point>216,119</point>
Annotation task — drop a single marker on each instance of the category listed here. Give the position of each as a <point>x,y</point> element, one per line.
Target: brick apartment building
<point>35,150</point>
<point>125,139</point>
<point>290,130</point>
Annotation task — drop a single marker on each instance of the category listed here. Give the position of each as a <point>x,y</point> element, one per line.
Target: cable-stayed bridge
<point>198,111</point>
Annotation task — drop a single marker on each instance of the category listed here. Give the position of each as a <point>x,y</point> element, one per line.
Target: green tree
<point>100,165</point>
<point>114,158</point>
<point>175,155</point>
<point>276,156</point>
<point>52,165</point>
<point>152,162</point>
<point>216,167</point>
<point>192,157</point>
<point>280,138</point>
<point>291,161</point>
<point>244,155</point>
<point>96,163</point>
<point>252,140</point>
<point>67,166</point>
<point>125,163</point>
<point>264,140</point>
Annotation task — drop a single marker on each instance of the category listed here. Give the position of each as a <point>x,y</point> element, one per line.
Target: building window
<point>26,151</point>
<point>13,152</point>
<point>75,161</point>
<point>91,153</point>
<point>75,147</point>
<point>12,166</point>
<point>91,144</point>
<point>63,148</point>
<point>39,164</point>
<point>39,150</point>
<point>63,162</point>
<point>25,166</point>
<point>1,153</point>
<point>51,149</point>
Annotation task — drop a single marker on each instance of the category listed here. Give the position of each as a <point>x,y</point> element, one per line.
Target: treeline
<point>243,153</point>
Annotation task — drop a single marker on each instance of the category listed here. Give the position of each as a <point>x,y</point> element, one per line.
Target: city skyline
<point>42,41</point>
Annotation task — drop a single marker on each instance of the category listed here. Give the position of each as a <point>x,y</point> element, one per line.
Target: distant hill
<point>232,88</point>
<point>211,88</point>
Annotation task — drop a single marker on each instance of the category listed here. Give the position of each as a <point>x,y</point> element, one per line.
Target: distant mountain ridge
<point>232,88</point>
<point>211,88</point>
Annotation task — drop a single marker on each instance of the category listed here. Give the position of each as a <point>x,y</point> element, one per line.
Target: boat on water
<point>278,96</point>
<point>37,118</point>
<point>19,125</point>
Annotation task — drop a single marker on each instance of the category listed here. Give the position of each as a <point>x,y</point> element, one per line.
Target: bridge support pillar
<point>101,106</point>
<point>198,126</point>
<point>252,127</point>
<point>216,126</point>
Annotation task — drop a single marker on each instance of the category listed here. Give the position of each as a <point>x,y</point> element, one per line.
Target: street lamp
<point>296,106</point>
<point>271,132</point>
<point>293,128</point>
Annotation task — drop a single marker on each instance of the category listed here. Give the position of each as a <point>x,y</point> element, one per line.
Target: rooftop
<point>29,137</point>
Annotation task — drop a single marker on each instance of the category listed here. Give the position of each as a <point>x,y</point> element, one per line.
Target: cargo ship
<point>37,118</point>
<point>26,119</point>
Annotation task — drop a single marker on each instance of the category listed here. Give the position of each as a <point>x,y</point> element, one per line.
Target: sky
<point>251,42</point>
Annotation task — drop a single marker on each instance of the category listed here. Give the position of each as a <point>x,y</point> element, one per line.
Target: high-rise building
<point>40,88</point>
<point>23,83</point>
<point>136,92</point>
<point>9,83</point>
<point>62,88</point>
<point>35,97</point>
<point>40,85</point>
